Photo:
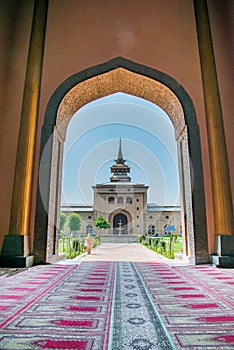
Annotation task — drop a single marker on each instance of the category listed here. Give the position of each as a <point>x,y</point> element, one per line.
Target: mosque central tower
<point>120,170</point>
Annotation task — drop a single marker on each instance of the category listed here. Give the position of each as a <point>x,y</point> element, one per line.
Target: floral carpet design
<point>117,306</point>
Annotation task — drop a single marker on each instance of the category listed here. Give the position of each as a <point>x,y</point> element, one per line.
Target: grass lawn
<point>176,247</point>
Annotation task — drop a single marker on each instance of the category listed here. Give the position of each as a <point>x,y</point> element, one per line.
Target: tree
<point>61,227</point>
<point>74,222</point>
<point>62,221</point>
<point>101,223</point>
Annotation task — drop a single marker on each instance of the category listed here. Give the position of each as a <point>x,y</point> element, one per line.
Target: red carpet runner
<point>117,306</point>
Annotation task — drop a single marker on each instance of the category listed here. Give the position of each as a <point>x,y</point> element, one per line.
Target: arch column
<point>220,178</point>
<point>22,187</point>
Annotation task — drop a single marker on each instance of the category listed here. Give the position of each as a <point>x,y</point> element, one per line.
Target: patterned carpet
<point>119,306</point>
<point>58,307</point>
<point>196,303</point>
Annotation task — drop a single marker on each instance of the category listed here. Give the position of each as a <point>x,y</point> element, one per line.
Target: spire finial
<point>120,159</point>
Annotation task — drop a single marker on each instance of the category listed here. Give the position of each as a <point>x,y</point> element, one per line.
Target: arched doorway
<point>120,224</point>
<point>121,75</point>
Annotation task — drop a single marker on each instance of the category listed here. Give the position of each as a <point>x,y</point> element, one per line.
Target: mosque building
<point>124,205</point>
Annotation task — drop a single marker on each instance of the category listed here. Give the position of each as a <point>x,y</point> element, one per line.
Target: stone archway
<point>124,216</point>
<point>120,224</point>
<point>121,75</point>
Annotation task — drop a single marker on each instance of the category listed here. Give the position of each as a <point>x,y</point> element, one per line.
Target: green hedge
<point>74,246</point>
<point>161,245</point>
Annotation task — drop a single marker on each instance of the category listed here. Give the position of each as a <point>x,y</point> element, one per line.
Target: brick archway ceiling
<point>120,80</point>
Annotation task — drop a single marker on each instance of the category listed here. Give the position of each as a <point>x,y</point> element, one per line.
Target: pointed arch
<point>121,75</point>
<point>117,214</point>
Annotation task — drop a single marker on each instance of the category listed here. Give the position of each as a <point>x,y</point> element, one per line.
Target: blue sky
<point>148,145</point>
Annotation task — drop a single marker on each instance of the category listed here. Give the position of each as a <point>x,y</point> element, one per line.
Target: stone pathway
<point>132,252</point>
<point>121,252</point>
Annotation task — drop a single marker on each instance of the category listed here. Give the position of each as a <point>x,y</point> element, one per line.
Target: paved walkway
<point>121,252</point>
<point>133,252</point>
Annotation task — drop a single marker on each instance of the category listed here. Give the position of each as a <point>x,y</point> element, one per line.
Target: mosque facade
<point>124,205</point>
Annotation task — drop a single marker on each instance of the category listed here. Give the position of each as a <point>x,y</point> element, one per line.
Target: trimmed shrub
<point>141,239</point>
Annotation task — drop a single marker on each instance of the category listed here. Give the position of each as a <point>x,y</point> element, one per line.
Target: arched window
<point>151,229</point>
<point>120,200</point>
<point>89,217</point>
<point>111,200</point>
<point>129,200</point>
<point>89,229</point>
<point>137,200</point>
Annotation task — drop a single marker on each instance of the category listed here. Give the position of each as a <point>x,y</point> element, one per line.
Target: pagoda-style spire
<point>120,170</point>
